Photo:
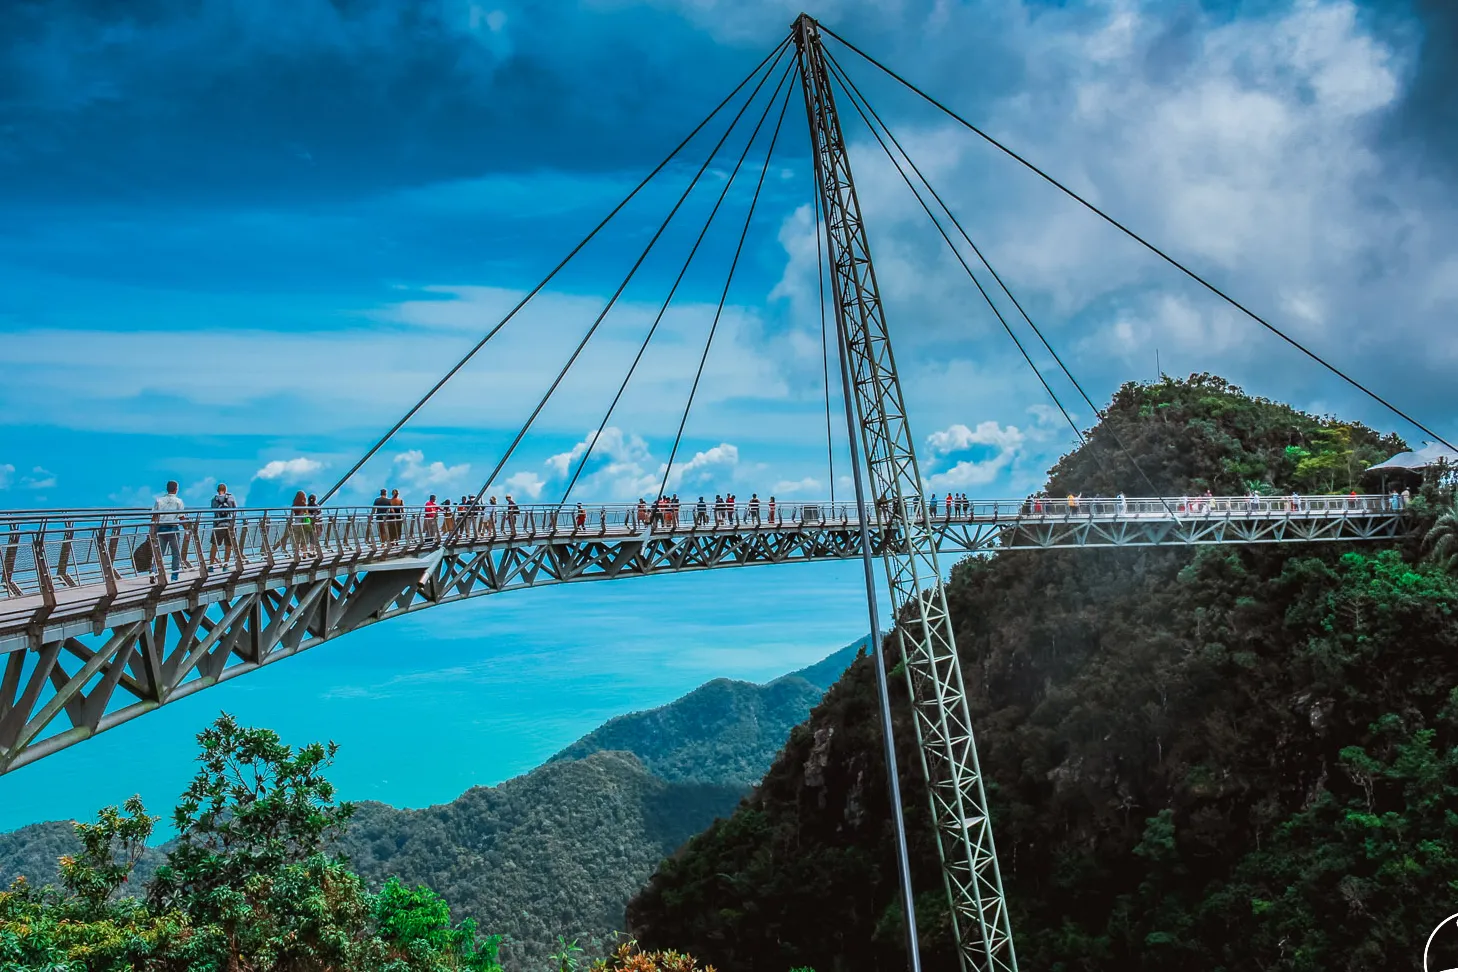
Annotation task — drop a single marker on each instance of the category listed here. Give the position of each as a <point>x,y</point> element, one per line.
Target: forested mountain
<point>559,850</point>
<point>1219,758</point>
<point>723,731</point>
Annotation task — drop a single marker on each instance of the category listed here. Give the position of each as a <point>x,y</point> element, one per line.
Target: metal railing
<point>46,551</point>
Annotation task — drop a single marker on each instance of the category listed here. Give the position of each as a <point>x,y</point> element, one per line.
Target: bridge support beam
<point>923,625</point>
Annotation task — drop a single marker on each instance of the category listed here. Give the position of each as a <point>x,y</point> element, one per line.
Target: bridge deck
<point>91,637</point>
<point>72,572</point>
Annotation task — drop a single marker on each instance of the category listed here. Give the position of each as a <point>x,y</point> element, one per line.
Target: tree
<point>628,957</point>
<point>1441,540</point>
<point>249,865</point>
<point>249,887</point>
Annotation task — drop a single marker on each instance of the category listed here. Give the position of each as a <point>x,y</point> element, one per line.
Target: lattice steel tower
<point>924,628</point>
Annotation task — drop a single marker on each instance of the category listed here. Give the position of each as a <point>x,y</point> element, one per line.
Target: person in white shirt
<point>167,521</point>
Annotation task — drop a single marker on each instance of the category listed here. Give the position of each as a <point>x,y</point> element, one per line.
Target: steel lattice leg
<point>924,628</point>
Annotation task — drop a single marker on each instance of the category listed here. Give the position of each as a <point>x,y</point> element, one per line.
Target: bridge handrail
<point>43,551</point>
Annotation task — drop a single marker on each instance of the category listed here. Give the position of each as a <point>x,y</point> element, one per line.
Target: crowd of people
<point>473,518</point>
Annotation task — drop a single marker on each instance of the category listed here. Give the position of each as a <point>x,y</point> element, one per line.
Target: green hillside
<point>722,732</point>
<point>557,851</point>
<point>561,849</point>
<point>1215,759</point>
<point>826,672</point>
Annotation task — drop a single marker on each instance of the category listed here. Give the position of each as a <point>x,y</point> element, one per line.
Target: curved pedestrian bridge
<point>93,634</point>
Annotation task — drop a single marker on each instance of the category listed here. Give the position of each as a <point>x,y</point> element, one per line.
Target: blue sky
<point>239,238</point>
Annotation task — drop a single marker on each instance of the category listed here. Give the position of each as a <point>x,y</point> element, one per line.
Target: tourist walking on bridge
<point>380,516</point>
<point>297,527</point>
<point>167,523</point>
<point>397,515</point>
<point>316,521</point>
<point>432,508</point>
<point>223,505</point>
<point>753,509</point>
<point>701,512</point>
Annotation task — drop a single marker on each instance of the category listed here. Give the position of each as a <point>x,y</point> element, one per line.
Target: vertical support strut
<point>918,601</point>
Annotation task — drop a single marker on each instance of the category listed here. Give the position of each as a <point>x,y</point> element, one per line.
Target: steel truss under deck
<point>82,654</point>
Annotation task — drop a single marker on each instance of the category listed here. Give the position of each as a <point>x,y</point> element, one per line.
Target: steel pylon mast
<point>924,627</point>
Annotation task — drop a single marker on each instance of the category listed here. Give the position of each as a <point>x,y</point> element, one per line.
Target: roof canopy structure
<point>1416,462</point>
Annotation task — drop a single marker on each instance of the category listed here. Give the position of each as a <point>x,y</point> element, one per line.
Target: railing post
<point>104,554</point>
<point>7,563</point>
<point>63,562</point>
<point>266,545</point>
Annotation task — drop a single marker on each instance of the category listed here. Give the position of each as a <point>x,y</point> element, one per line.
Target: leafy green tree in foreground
<point>249,887</point>
<point>1441,541</point>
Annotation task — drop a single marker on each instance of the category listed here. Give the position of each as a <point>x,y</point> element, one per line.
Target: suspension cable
<point>410,413</point>
<point>850,95</point>
<point>856,93</point>
<point>1145,243</point>
<point>824,345</point>
<point>683,271</point>
<point>662,227</point>
<point>723,297</point>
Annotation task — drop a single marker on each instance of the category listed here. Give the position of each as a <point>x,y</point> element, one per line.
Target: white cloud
<point>201,490</point>
<point>39,478</point>
<point>700,468</point>
<point>958,437</point>
<point>523,485</point>
<point>291,468</point>
<point>969,473</point>
<point>7,475</point>
<point>787,487</point>
<point>412,472</point>
<point>1008,441</point>
<point>612,444</point>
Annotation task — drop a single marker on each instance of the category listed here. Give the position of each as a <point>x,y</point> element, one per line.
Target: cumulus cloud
<point>7,475</point>
<point>958,437</point>
<point>296,468</point>
<point>629,468</point>
<point>612,445</point>
<point>788,487</point>
<point>1252,142</point>
<point>700,468</point>
<point>1004,442</point>
<point>523,485</point>
<point>412,472</point>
